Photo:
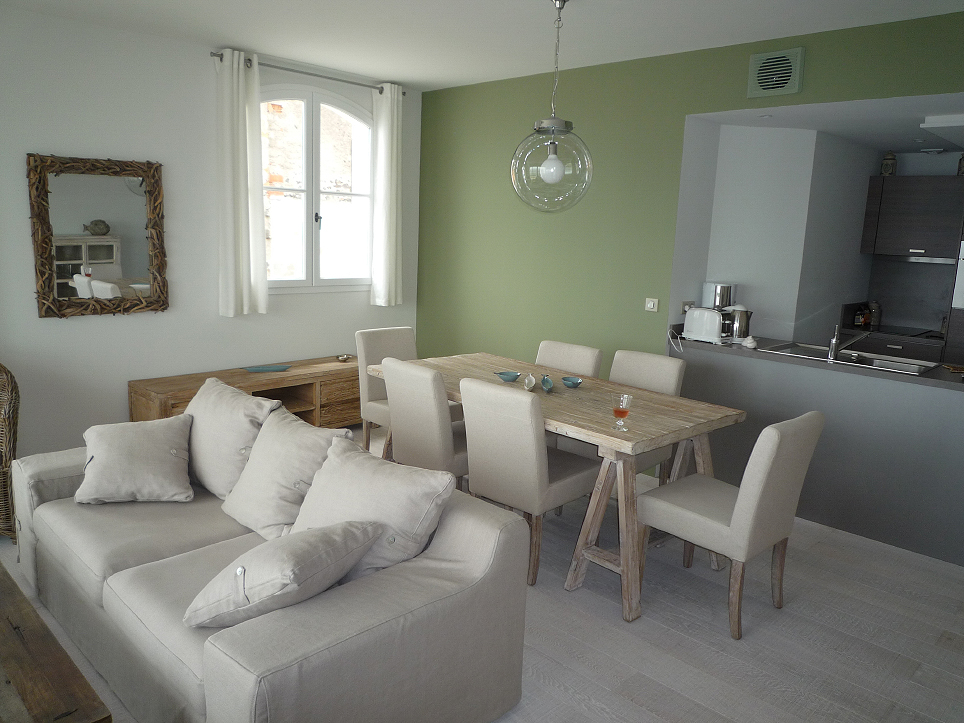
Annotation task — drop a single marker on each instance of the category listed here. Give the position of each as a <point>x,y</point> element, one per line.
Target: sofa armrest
<point>38,479</point>
<point>436,638</point>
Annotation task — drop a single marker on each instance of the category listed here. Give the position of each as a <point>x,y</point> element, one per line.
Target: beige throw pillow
<point>226,423</point>
<point>280,572</point>
<point>273,484</point>
<point>137,461</point>
<point>353,484</point>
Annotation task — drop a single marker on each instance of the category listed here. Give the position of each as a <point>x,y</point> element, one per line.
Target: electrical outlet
<point>652,304</point>
<point>687,305</point>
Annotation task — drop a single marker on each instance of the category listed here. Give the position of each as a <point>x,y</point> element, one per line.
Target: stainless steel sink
<point>858,359</point>
<point>792,348</point>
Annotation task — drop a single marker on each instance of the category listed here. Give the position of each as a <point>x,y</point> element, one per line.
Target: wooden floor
<point>868,632</point>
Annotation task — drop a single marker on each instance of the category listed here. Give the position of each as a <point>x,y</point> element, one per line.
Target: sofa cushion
<point>356,485</point>
<point>92,542</point>
<point>137,461</point>
<point>226,423</point>
<point>281,572</point>
<point>273,484</point>
<point>147,604</point>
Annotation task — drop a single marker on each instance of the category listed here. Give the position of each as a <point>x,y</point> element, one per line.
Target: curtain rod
<point>247,61</point>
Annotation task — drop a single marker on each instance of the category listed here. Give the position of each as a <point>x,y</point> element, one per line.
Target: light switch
<point>652,304</point>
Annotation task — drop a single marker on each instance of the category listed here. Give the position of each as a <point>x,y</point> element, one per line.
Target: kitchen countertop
<point>937,377</point>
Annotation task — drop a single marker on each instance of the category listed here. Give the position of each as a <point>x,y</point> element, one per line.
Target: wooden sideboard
<point>323,392</point>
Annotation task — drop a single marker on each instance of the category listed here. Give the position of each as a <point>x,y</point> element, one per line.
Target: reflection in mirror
<point>98,235</point>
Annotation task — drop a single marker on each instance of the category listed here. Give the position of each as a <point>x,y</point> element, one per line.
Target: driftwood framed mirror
<point>98,235</point>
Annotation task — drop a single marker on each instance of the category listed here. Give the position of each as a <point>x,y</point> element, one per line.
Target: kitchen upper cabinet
<point>914,216</point>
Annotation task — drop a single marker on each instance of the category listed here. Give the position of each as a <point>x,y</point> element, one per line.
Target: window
<point>317,156</point>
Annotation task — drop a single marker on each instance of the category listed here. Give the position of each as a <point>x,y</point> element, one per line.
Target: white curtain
<point>387,193</point>
<point>243,278</point>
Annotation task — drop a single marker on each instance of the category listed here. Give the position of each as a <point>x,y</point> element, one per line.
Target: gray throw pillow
<point>226,423</point>
<point>353,484</point>
<point>273,484</point>
<point>281,572</point>
<point>137,461</point>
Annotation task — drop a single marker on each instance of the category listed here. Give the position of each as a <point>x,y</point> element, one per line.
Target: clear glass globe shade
<point>528,162</point>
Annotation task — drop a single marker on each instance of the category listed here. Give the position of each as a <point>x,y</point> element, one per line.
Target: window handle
<point>317,218</point>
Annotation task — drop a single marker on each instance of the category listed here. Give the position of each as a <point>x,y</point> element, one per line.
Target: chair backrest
<point>772,481</point>
<point>82,284</point>
<point>419,410</point>
<point>372,346</point>
<point>581,360</point>
<point>506,440</point>
<point>655,372</point>
<point>104,289</point>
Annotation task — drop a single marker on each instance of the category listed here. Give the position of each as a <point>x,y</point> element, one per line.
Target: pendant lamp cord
<point>555,82</point>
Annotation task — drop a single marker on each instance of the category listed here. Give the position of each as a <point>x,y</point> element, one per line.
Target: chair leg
<point>777,563</point>
<point>366,430</point>
<point>387,449</point>
<point>688,549</point>
<point>643,544</point>
<point>535,545</point>
<point>736,599</point>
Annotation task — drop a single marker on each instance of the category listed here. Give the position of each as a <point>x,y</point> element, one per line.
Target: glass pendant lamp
<point>551,168</point>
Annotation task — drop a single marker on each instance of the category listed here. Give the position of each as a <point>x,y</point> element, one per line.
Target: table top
<point>46,684</point>
<point>585,413</point>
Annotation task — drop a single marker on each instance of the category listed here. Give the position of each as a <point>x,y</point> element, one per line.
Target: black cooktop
<point>911,331</point>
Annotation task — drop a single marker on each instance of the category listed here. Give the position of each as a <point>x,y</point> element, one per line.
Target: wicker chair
<point>9,414</point>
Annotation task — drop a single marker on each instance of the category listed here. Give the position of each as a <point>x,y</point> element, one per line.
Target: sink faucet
<point>836,347</point>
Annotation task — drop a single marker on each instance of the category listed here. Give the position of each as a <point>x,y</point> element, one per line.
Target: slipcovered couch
<point>437,637</point>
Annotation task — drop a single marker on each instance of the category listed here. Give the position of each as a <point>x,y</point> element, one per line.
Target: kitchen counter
<point>938,377</point>
<point>888,464</point>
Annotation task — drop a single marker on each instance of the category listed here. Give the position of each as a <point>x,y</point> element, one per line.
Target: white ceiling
<point>430,44</point>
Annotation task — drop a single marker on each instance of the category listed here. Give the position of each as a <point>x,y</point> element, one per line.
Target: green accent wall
<point>495,275</point>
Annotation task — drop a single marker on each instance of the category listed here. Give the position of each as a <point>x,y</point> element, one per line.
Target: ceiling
<point>887,124</point>
<point>430,44</point>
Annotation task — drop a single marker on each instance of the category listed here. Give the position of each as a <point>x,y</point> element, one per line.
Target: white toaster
<point>703,325</point>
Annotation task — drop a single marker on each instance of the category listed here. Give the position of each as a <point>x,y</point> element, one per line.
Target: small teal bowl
<point>572,382</point>
<point>508,376</point>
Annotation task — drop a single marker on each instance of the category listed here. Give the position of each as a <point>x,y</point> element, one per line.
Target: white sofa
<point>438,637</point>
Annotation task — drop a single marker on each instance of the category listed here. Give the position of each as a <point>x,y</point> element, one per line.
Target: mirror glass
<point>98,236</point>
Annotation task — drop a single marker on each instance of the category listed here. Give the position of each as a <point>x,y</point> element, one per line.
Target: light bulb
<point>552,169</point>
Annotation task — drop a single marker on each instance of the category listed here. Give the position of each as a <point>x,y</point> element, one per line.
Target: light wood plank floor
<point>868,632</point>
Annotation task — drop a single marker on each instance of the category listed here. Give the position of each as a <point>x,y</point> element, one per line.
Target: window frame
<point>313,97</point>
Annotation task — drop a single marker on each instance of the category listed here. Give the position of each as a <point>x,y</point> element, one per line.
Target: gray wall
<point>893,477</point>
<point>833,271</point>
<point>75,89</point>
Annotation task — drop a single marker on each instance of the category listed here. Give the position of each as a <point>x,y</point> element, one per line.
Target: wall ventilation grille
<point>775,73</point>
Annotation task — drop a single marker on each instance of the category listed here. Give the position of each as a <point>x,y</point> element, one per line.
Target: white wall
<point>82,90</point>
<point>833,271</point>
<point>759,221</point>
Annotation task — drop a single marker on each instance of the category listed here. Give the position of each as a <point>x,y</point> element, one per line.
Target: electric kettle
<point>739,321</point>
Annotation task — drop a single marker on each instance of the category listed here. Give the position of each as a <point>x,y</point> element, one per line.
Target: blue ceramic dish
<point>572,382</point>
<point>508,376</point>
<point>268,368</point>
<point>546,383</point>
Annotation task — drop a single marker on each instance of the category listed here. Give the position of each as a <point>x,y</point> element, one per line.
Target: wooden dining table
<point>585,413</point>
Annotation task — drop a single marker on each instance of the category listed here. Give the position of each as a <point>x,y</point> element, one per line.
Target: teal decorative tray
<point>268,368</point>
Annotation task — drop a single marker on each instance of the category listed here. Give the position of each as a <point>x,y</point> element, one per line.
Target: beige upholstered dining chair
<point>578,360</point>
<point>739,522</point>
<point>83,287</point>
<point>373,345</point>
<point>423,434</point>
<point>509,462</point>
<point>105,289</point>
